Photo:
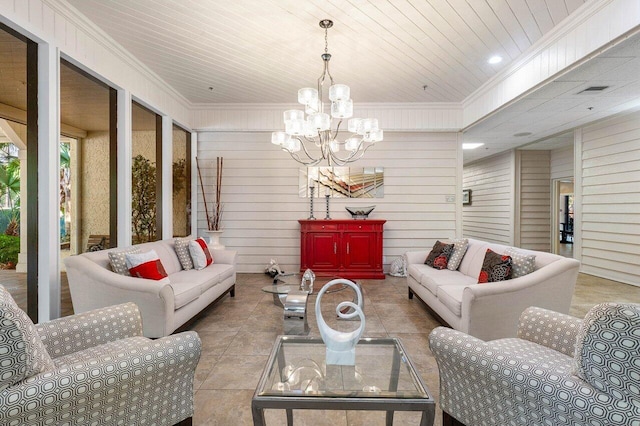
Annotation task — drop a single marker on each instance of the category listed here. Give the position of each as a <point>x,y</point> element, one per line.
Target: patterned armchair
<point>93,368</point>
<point>560,370</point>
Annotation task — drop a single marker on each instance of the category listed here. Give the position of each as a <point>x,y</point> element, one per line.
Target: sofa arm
<point>93,287</point>
<point>153,381</point>
<point>81,331</point>
<point>551,329</point>
<point>492,311</point>
<point>416,256</point>
<point>226,257</point>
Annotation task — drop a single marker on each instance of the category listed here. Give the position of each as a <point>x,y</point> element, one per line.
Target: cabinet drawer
<point>320,227</point>
<point>362,227</point>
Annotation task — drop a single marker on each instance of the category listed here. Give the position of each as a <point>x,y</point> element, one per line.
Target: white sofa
<point>490,311</point>
<point>166,304</point>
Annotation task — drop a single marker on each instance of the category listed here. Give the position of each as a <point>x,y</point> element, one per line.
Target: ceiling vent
<point>594,89</point>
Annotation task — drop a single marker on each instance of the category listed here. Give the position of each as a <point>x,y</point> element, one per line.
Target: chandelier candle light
<point>301,133</point>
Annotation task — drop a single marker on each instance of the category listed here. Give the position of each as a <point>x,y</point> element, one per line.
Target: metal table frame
<point>391,404</point>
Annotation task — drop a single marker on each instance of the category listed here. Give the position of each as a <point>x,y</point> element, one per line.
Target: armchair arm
<point>81,331</point>
<point>487,383</point>
<point>227,257</point>
<point>551,329</point>
<point>152,384</point>
<point>416,256</point>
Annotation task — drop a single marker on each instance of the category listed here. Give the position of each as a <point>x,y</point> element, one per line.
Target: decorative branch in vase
<point>214,216</point>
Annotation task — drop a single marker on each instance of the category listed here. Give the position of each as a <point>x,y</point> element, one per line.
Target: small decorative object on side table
<point>341,346</point>
<point>360,212</point>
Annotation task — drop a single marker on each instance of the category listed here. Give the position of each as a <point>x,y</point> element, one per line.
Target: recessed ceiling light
<point>522,134</point>
<point>495,59</point>
<point>472,145</point>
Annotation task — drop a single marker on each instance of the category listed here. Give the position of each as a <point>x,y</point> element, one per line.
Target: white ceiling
<point>558,106</point>
<point>263,51</point>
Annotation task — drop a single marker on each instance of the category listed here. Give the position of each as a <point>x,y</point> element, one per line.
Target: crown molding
<point>430,106</point>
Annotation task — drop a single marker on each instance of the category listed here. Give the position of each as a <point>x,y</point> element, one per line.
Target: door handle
<point>347,248</point>
<point>335,248</point>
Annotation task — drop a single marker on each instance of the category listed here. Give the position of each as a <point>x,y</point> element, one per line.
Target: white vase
<point>214,239</point>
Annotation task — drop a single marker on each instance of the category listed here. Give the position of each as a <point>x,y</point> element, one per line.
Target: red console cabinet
<point>345,248</point>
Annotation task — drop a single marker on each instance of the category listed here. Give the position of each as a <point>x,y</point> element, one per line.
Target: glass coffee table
<point>383,379</point>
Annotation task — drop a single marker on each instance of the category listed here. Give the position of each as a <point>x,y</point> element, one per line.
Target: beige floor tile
<point>252,343</point>
<point>235,372</point>
<point>223,407</point>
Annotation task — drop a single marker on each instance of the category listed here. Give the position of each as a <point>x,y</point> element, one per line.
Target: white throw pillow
<point>200,254</point>
<point>136,259</point>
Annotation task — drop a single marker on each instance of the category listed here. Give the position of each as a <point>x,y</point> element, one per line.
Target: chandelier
<point>302,133</point>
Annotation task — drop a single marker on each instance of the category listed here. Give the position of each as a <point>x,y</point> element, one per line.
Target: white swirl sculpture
<point>341,346</point>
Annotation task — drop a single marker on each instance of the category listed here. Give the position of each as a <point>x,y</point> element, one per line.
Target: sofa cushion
<point>439,255</point>
<point>166,252</point>
<point>185,291</point>
<point>460,247</point>
<point>523,263</point>
<point>445,278</point>
<point>451,297</point>
<point>118,260</point>
<point>496,267</point>
<point>182,251</point>
<point>22,353</point>
<point>204,278</point>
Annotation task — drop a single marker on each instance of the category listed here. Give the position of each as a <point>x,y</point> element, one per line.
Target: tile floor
<point>238,334</point>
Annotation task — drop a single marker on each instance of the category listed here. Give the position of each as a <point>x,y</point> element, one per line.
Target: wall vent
<point>593,89</point>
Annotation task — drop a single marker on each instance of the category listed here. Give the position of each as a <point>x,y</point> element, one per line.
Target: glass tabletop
<point>296,368</point>
<point>279,289</point>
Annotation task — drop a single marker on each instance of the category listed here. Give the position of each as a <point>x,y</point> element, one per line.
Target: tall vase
<point>214,239</point>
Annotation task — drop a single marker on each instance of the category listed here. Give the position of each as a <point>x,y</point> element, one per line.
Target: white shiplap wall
<point>262,207</point>
<point>490,215</point>
<point>562,163</point>
<point>534,201</point>
<point>611,199</point>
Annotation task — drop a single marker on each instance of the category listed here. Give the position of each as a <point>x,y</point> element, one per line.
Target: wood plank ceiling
<point>263,51</point>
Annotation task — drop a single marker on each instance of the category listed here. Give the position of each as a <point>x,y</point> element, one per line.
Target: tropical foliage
<point>143,203</point>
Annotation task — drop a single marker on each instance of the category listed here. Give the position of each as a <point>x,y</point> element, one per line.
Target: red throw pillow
<point>496,267</point>
<point>152,270</point>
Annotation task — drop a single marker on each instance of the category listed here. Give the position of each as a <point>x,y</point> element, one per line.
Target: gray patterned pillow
<point>460,246</point>
<point>182,250</point>
<point>608,350</point>
<point>22,353</point>
<point>522,263</point>
<point>118,260</point>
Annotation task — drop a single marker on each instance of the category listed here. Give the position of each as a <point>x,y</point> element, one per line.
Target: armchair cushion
<point>22,353</point>
<point>607,352</point>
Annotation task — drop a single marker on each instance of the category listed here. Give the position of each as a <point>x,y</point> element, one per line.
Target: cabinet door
<point>360,250</point>
<point>323,250</point>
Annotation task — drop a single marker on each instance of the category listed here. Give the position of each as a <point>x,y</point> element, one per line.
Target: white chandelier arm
<point>355,155</point>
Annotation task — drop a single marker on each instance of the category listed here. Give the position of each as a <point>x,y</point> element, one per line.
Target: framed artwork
<point>466,196</point>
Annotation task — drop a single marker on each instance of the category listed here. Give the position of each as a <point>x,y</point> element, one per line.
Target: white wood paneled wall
<point>262,206</point>
<point>490,215</point>
<point>611,199</point>
<point>534,201</point>
<point>562,163</point>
